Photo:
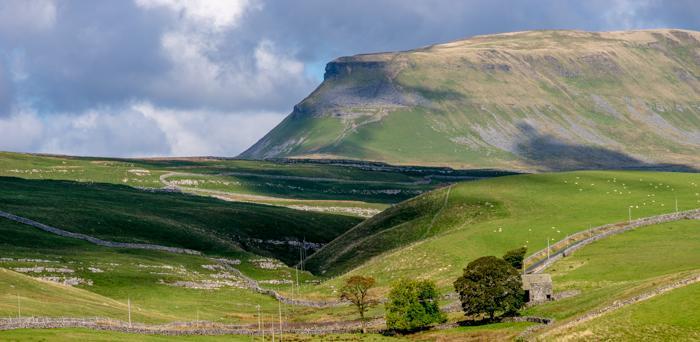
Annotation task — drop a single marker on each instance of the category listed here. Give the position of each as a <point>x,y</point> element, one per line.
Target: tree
<point>515,257</point>
<point>490,285</point>
<point>412,305</point>
<point>356,290</point>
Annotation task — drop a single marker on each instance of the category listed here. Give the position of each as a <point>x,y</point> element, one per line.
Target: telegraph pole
<point>19,307</point>
<point>272,327</point>
<point>629,213</point>
<point>260,324</point>
<point>279,310</point>
<point>128,301</point>
<point>548,248</point>
<point>676,204</point>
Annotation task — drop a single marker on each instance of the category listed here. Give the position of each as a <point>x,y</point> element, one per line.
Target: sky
<point>143,78</point>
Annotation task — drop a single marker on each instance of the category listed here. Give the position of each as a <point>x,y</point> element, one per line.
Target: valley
<point>431,236</point>
<point>527,186</point>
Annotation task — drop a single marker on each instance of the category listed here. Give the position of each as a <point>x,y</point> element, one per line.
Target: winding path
<point>422,181</point>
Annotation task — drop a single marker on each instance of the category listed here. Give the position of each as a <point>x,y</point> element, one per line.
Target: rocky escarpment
<point>540,100</point>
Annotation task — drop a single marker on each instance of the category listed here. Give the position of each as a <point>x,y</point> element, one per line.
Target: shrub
<point>413,305</point>
<point>515,257</point>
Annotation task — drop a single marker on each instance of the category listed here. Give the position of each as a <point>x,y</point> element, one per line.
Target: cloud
<point>22,131</point>
<point>218,14</point>
<point>6,90</point>
<point>104,133</point>
<point>27,15</point>
<point>188,71</point>
<point>137,130</point>
<point>191,133</point>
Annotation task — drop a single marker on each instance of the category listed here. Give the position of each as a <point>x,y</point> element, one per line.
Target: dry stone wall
<point>576,241</point>
<point>95,240</point>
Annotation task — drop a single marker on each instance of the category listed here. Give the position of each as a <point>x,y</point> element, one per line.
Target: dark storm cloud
<point>327,29</point>
<point>96,52</point>
<point>110,52</point>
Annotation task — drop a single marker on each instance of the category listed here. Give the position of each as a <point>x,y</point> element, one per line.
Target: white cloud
<point>624,14</point>
<point>274,68</point>
<point>196,133</point>
<point>218,14</point>
<point>138,130</point>
<point>22,131</point>
<point>104,132</point>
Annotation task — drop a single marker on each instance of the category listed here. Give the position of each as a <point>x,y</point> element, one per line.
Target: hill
<point>539,100</point>
<point>349,188</point>
<point>125,214</point>
<point>435,235</point>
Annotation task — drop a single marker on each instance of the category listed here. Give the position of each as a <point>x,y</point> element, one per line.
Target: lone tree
<point>490,285</point>
<point>515,257</point>
<point>356,290</point>
<point>413,305</point>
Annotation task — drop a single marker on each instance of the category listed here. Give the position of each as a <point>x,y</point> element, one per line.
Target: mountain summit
<point>536,100</point>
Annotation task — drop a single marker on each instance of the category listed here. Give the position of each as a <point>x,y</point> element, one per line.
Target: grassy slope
<point>478,98</point>
<point>122,278</point>
<point>134,274</point>
<point>252,181</point>
<point>674,316</point>
<point>532,208</point>
<point>122,213</point>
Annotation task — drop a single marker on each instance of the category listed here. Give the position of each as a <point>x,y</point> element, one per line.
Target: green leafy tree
<point>515,257</point>
<point>356,291</point>
<point>490,285</point>
<point>413,305</point>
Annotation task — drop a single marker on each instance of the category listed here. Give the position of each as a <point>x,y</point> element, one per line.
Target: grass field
<point>313,185</point>
<point>441,236</point>
<point>431,236</point>
<point>108,277</point>
<point>122,213</point>
<point>500,331</point>
<point>673,316</point>
<point>163,287</point>
<point>622,266</point>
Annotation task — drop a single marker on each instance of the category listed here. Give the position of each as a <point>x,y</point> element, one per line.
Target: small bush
<point>413,305</point>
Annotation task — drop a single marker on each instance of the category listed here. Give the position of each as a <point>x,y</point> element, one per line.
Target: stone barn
<point>538,287</point>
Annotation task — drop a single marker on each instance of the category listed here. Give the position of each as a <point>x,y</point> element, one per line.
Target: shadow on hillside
<point>549,153</point>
